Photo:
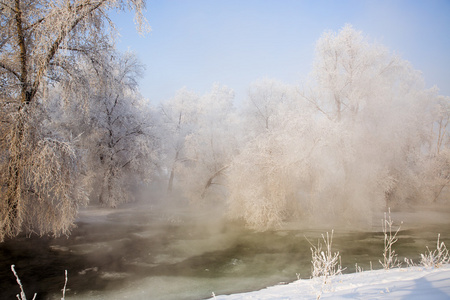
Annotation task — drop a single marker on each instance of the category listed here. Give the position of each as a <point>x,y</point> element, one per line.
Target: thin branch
<point>23,52</point>
<point>9,69</point>
<point>315,104</point>
<point>56,44</point>
<point>209,182</point>
<point>65,285</point>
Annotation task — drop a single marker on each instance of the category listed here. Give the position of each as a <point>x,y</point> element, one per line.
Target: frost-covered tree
<point>210,147</point>
<point>437,169</point>
<point>40,172</point>
<point>264,101</point>
<point>442,124</point>
<point>380,100</point>
<point>40,44</point>
<point>261,179</point>
<point>121,142</point>
<point>279,175</point>
<point>348,70</point>
<point>178,118</point>
<point>41,39</point>
<point>354,141</point>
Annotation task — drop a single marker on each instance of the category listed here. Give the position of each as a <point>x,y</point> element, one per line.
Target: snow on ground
<point>408,283</point>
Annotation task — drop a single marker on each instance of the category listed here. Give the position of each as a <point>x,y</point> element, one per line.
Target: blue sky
<point>195,43</point>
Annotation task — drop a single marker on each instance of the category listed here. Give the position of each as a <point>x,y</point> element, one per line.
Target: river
<point>144,252</point>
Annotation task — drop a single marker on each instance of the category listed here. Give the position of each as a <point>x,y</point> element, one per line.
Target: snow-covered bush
<point>409,262</point>
<point>325,263</point>
<point>437,257</point>
<point>390,238</point>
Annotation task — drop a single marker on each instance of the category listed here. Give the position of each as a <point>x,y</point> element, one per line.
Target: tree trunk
<point>12,222</point>
<point>209,182</point>
<point>337,102</point>
<point>170,185</point>
<point>172,173</point>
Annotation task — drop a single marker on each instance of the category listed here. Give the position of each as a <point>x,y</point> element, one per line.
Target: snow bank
<point>409,283</point>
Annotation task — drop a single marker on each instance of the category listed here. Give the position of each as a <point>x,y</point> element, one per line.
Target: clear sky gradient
<point>195,43</point>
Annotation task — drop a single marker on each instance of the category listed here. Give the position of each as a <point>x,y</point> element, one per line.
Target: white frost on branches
<point>44,44</point>
<point>390,238</point>
<point>437,257</point>
<point>351,142</point>
<point>325,263</point>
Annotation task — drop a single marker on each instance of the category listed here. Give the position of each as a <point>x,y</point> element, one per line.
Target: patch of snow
<point>410,283</point>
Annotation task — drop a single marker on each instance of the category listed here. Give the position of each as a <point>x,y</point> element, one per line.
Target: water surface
<point>144,252</point>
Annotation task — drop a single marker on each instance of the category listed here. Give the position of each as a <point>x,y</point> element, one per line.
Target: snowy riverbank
<point>404,283</point>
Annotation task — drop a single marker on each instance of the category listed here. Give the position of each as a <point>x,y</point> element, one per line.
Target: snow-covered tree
<point>262,177</point>
<point>210,147</point>
<point>380,100</point>
<point>121,141</point>
<point>40,44</point>
<point>288,172</point>
<point>40,171</point>
<point>178,118</point>
<point>437,161</point>
<point>352,142</point>
<point>262,108</point>
<point>348,70</point>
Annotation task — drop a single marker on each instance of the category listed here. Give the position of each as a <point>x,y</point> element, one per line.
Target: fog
<point>360,136</point>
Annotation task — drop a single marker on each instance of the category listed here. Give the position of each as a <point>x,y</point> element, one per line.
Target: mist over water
<point>360,136</point>
<point>153,252</point>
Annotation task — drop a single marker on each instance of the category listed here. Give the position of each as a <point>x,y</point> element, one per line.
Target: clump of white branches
<point>436,258</point>
<point>22,295</point>
<point>40,175</point>
<point>325,263</point>
<point>409,262</point>
<point>390,238</point>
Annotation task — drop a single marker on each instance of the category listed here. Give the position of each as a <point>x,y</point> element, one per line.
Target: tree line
<point>362,133</point>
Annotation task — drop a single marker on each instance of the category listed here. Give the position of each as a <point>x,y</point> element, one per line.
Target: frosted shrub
<point>260,186</point>
<point>325,264</point>
<point>22,295</point>
<point>437,257</point>
<point>389,256</point>
<point>409,262</point>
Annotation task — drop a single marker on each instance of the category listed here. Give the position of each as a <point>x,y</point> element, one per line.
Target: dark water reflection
<point>144,252</point>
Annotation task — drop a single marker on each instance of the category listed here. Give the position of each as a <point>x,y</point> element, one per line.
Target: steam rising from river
<point>171,254</point>
<point>362,135</point>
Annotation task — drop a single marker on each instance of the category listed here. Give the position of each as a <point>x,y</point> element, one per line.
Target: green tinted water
<point>144,252</point>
